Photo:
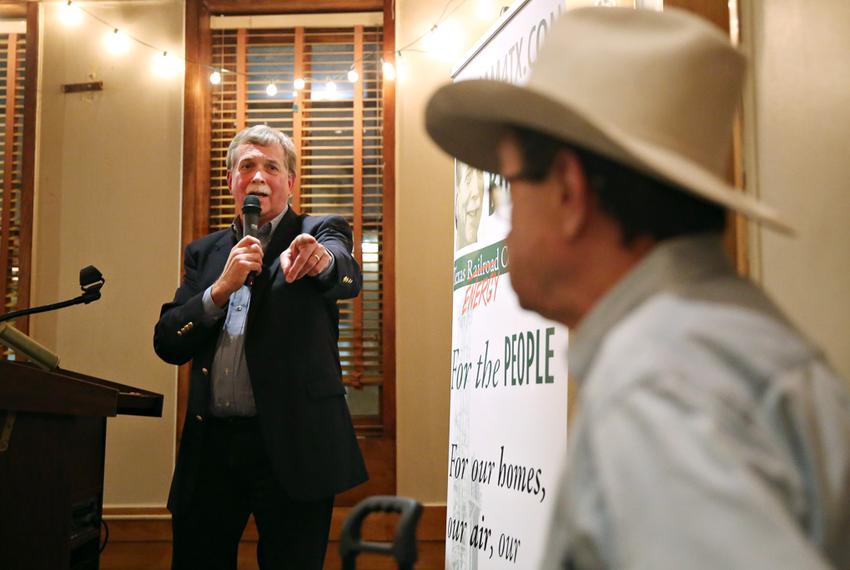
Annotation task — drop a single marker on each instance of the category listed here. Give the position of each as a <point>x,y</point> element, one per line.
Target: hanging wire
<point>443,16</point>
<point>445,13</point>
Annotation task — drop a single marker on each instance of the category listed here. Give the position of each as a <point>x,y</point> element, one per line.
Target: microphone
<point>91,282</point>
<point>250,216</point>
<point>250,225</point>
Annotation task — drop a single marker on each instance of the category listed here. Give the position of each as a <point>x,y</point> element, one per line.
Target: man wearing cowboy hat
<point>710,433</point>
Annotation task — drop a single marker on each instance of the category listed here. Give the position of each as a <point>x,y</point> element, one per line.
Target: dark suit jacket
<point>292,355</point>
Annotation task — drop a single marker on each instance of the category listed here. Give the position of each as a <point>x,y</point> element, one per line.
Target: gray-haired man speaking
<point>267,429</point>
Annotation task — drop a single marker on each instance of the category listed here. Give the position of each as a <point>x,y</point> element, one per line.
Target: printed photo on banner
<point>482,206</point>
<point>469,200</point>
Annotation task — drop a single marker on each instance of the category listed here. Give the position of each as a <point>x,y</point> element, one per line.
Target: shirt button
<point>204,371</point>
<point>238,307</point>
<point>199,418</point>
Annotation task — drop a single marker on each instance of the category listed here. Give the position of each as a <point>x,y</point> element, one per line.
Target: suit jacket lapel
<point>287,229</point>
<point>218,257</point>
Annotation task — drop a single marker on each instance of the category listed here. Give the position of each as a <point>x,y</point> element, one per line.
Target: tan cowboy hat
<point>656,91</point>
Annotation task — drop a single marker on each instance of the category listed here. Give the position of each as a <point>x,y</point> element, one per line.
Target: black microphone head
<point>251,205</point>
<point>89,276</point>
<point>250,216</point>
<point>91,281</point>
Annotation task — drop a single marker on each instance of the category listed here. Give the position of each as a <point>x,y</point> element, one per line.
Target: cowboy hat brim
<point>467,120</point>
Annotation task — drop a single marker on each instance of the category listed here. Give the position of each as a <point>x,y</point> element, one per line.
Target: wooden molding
<point>82,87</point>
<point>715,11</point>
<point>196,142</point>
<point>235,7</point>
<point>388,234</point>
<point>298,116</point>
<point>197,116</point>
<point>125,524</point>
<point>12,10</point>
<point>140,538</point>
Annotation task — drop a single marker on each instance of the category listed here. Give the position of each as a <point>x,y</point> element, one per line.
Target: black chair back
<point>403,546</point>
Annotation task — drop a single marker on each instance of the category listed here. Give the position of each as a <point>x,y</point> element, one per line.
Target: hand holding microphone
<point>246,257</point>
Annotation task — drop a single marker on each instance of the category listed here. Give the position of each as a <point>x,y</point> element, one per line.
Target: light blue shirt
<point>709,434</point>
<point>231,393</point>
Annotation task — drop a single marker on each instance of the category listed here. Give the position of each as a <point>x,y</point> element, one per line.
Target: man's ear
<point>229,177</point>
<point>576,199</point>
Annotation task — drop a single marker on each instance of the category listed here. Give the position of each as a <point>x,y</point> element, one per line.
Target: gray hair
<point>263,135</point>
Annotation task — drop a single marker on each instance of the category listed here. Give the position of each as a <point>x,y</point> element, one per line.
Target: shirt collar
<point>265,231</point>
<point>274,223</point>
<point>667,266</point>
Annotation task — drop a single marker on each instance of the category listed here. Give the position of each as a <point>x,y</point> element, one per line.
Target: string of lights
<point>118,42</point>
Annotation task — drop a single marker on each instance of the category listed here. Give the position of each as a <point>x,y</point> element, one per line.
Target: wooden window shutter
<point>12,72</point>
<point>338,133</point>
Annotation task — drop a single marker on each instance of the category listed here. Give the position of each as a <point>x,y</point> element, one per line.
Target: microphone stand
<point>91,282</point>
<point>84,298</point>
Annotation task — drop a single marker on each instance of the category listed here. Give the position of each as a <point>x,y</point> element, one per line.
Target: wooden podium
<point>52,442</point>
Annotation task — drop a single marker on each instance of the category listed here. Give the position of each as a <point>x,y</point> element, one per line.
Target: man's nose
<point>258,176</point>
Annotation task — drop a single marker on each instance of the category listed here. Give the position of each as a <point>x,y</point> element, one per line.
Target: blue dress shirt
<point>231,393</point>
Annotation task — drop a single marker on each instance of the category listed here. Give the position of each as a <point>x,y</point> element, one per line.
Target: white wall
<point>424,213</point>
<point>801,55</point>
<point>108,194</point>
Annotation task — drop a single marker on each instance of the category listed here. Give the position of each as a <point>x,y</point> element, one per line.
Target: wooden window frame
<point>29,12</point>
<point>377,439</point>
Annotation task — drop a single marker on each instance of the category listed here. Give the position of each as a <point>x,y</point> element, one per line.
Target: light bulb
<point>70,14</point>
<point>444,42</point>
<point>117,42</point>
<point>271,89</point>
<point>330,91</point>
<point>484,9</point>
<point>165,65</point>
<point>389,71</point>
<point>431,38</point>
<point>353,75</point>
<point>400,68</point>
<point>299,83</point>
<point>215,77</point>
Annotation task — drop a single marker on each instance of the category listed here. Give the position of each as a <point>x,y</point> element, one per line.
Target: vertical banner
<point>508,426</point>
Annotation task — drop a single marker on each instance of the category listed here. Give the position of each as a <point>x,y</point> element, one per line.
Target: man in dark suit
<point>267,429</point>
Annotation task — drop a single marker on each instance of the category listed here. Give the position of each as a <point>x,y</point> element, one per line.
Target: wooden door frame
<point>736,235</point>
<point>378,447</point>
